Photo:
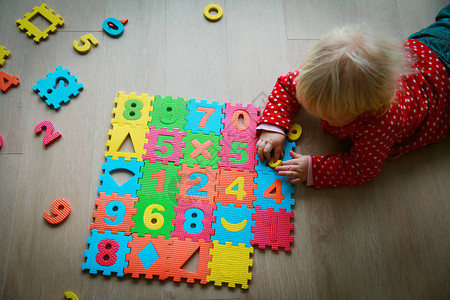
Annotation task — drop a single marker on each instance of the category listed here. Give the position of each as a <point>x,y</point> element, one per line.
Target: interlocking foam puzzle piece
<point>249,116</point>
<point>53,88</point>
<point>274,191</point>
<point>236,187</point>
<point>197,184</point>
<point>70,295</point>
<point>3,55</point>
<point>273,228</point>
<point>201,149</point>
<point>132,110</point>
<point>193,221</point>
<point>233,224</point>
<point>1,141</point>
<point>159,181</point>
<point>114,213</point>
<point>114,31</point>
<point>6,81</point>
<point>48,14</point>
<point>205,117</point>
<point>86,40</point>
<point>211,17</point>
<point>61,209</point>
<point>154,216</point>
<point>295,132</point>
<point>109,185</point>
<point>230,264</point>
<point>100,257</point>
<point>117,137</point>
<point>169,113</point>
<point>49,136</point>
<point>238,152</point>
<point>164,145</point>
<point>265,167</point>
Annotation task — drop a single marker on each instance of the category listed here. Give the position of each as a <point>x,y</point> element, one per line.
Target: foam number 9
<point>237,188</point>
<point>153,220</point>
<point>194,218</point>
<point>61,209</point>
<point>116,28</point>
<point>239,148</point>
<point>107,252</point>
<point>133,109</point>
<point>116,210</point>
<point>86,40</point>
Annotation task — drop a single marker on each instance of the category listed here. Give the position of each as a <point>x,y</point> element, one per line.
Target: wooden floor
<point>386,239</point>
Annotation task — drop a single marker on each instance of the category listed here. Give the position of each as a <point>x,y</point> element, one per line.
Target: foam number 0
<point>61,209</point>
<point>153,220</point>
<point>86,40</point>
<point>239,148</point>
<point>237,188</point>
<point>208,112</point>
<point>116,210</point>
<point>107,252</point>
<point>195,189</point>
<point>194,218</point>
<point>133,109</point>
<point>274,191</point>
<point>244,117</point>
<point>115,30</point>
<point>49,136</point>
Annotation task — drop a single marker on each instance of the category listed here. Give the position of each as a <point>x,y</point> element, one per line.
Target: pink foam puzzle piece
<point>49,136</point>
<point>164,145</point>
<point>240,120</point>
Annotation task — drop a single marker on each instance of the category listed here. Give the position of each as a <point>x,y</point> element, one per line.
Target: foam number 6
<point>239,148</point>
<point>237,188</point>
<point>49,136</point>
<point>194,218</point>
<point>153,221</point>
<point>133,109</point>
<point>61,209</point>
<point>195,190</point>
<point>86,39</point>
<point>116,28</point>
<point>107,255</point>
<point>116,210</point>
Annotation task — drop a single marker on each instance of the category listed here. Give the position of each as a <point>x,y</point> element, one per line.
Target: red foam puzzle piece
<point>6,81</point>
<point>49,136</point>
<point>61,209</point>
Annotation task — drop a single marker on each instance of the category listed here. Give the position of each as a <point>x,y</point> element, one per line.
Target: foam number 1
<point>61,209</point>
<point>86,39</point>
<point>49,136</point>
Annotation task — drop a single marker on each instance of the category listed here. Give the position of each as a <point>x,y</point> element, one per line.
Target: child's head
<point>348,73</point>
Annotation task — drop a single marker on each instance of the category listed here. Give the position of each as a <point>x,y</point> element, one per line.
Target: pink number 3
<point>49,136</point>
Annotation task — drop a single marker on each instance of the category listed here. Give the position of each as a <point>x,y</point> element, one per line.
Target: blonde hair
<point>348,73</point>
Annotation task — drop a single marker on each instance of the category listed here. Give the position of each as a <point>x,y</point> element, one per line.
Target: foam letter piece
<point>3,55</point>
<point>114,31</point>
<point>6,81</point>
<point>86,40</point>
<point>230,264</point>
<point>48,14</point>
<point>58,87</point>
<point>109,185</point>
<point>49,136</point>
<point>61,209</point>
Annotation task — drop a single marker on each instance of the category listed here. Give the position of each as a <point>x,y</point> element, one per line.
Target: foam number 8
<point>107,255</point>
<point>133,110</point>
<point>153,221</point>
<point>194,218</point>
<point>115,209</point>
<point>237,188</point>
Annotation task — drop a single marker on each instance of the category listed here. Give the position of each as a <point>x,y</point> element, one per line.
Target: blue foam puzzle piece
<point>264,167</point>
<point>90,254</point>
<point>263,182</point>
<point>213,123</point>
<point>109,185</point>
<point>234,218</point>
<point>67,87</point>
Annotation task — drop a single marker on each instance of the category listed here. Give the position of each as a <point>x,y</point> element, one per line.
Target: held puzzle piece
<point>197,190</point>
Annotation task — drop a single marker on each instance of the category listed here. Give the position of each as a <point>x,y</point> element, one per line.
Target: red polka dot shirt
<point>420,116</point>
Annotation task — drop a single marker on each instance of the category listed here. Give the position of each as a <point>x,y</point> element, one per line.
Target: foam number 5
<point>167,148</point>
<point>116,210</point>
<point>86,39</point>
<point>61,209</point>
<point>49,136</point>
<point>153,221</point>
<point>237,188</point>
<point>107,252</point>
<point>239,148</point>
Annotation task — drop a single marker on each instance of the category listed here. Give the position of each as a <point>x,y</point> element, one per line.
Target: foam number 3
<point>194,218</point>
<point>237,188</point>
<point>107,255</point>
<point>61,209</point>
<point>153,220</point>
<point>49,136</point>
<point>195,190</point>
<point>116,210</point>
<point>86,39</point>
<point>133,109</point>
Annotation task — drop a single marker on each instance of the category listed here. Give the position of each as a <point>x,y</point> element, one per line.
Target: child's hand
<point>296,167</point>
<point>269,141</point>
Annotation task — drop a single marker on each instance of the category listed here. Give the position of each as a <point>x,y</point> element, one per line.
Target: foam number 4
<point>60,209</point>
<point>86,40</point>
<point>116,210</point>
<point>239,148</point>
<point>133,109</point>
<point>274,191</point>
<point>237,188</point>
<point>107,252</point>
<point>6,81</point>
<point>49,136</point>
<point>194,218</point>
<point>195,190</point>
<point>153,220</point>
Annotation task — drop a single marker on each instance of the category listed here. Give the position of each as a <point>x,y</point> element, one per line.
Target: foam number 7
<point>208,112</point>
<point>61,209</point>
<point>86,39</point>
<point>49,136</point>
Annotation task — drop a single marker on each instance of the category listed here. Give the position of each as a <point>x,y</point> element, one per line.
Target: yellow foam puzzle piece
<point>295,132</point>
<point>127,114</point>
<point>119,134</point>
<point>3,55</point>
<point>70,295</point>
<point>86,39</point>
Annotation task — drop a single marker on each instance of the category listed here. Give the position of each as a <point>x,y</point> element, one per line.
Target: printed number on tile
<point>153,220</point>
<point>116,210</point>
<point>274,191</point>
<point>195,190</point>
<point>107,255</point>
<point>194,218</point>
<point>237,188</point>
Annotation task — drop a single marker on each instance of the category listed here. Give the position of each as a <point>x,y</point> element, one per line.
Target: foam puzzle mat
<point>197,188</point>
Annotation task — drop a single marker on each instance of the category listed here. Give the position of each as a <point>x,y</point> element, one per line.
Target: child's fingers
<point>294,180</point>
<point>294,155</point>
<point>267,148</point>
<point>260,146</point>
<point>276,153</point>
<point>288,173</point>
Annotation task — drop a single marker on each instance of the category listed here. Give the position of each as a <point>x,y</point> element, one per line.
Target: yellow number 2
<point>237,188</point>
<point>86,40</point>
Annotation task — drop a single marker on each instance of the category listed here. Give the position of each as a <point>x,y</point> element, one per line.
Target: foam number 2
<point>107,252</point>
<point>133,109</point>
<point>153,220</point>
<point>61,209</point>
<point>86,39</point>
<point>195,190</point>
<point>49,136</point>
<point>116,210</point>
<point>194,218</point>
